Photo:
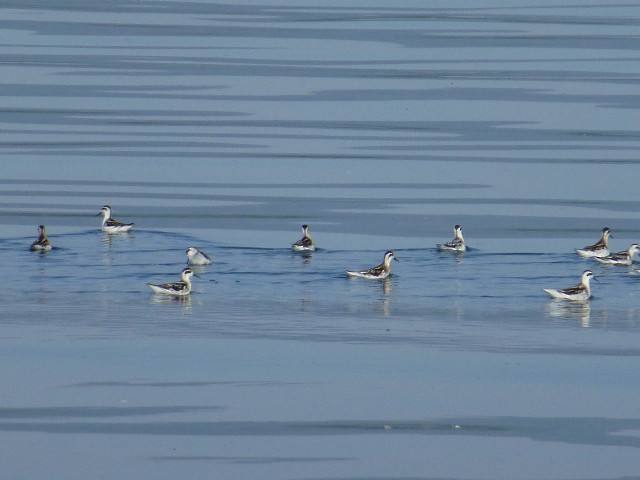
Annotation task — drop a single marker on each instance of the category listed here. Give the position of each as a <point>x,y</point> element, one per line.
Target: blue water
<point>227,126</point>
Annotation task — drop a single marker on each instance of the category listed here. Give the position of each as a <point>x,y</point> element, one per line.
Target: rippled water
<point>228,126</point>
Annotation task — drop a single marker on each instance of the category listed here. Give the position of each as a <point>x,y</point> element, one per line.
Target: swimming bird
<point>197,257</point>
<point>455,245</point>
<point>305,244</point>
<point>620,258</point>
<point>580,292</point>
<point>381,271</point>
<point>42,244</point>
<point>598,249</point>
<point>178,289</point>
<point>109,225</point>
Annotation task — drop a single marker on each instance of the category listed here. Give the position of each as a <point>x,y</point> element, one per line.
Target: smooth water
<point>227,126</point>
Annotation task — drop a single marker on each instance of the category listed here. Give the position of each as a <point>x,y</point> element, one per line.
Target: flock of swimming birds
<point>599,251</point>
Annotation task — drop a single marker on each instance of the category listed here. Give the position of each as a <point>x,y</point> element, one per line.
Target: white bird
<point>178,289</point>
<point>197,257</point>
<point>42,244</point>
<point>109,225</point>
<point>381,271</point>
<point>305,244</point>
<point>598,249</point>
<point>620,258</point>
<point>455,245</point>
<point>580,292</point>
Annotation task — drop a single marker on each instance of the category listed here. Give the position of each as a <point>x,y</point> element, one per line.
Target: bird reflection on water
<point>184,301</point>
<point>570,311</point>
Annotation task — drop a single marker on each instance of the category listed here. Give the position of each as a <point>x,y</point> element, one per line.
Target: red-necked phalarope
<point>620,258</point>
<point>197,257</point>
<point>381,271</point>
<point>179,289</point>
<point>42,244</point>
<point>580,292</point>
<point>305,244</point>
<point>598,249</point>
<point>109,225</point>
<point>455,245</point>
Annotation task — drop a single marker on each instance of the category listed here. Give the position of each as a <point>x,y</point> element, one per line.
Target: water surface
<point>227,126</point>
